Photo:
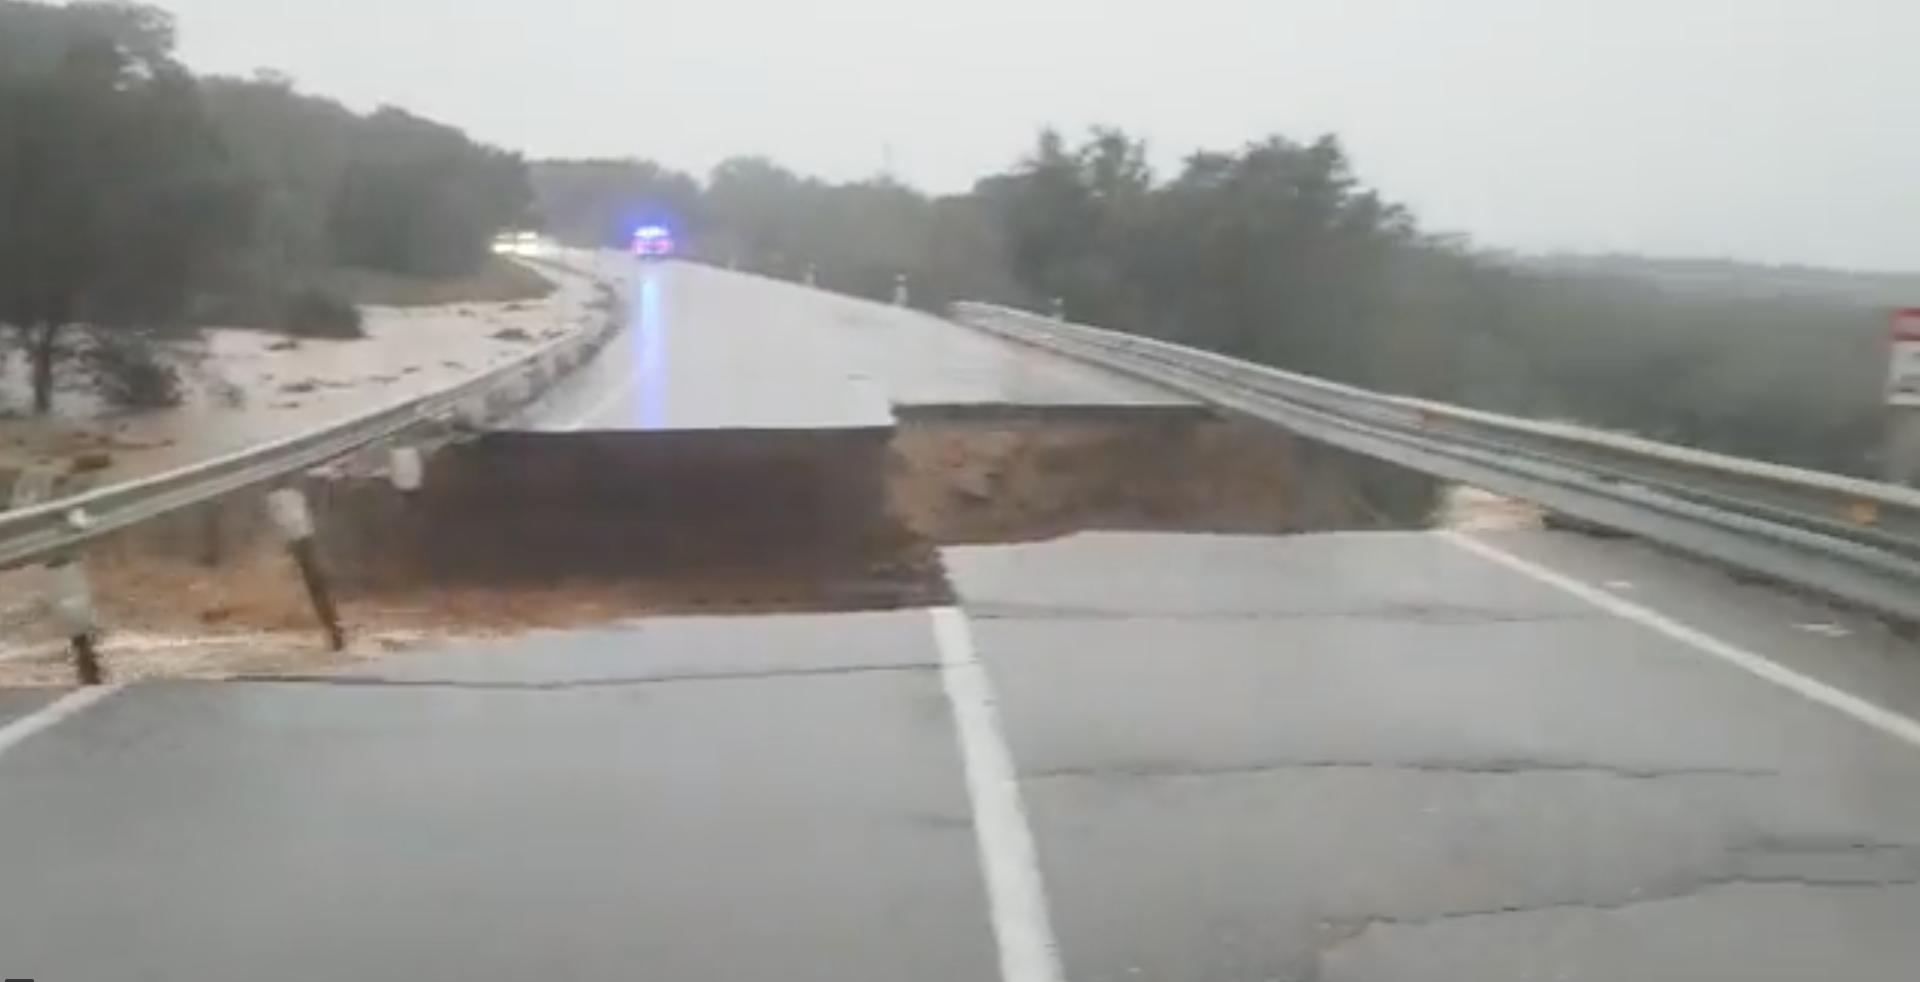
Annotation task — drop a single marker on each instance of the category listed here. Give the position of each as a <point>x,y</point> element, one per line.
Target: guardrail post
<point>1903,398</point>
<point>1903,445</point>
<point>900,289</point>
<point>292,518</point>
<point>69,598</point>
<point>810,275</point>
<point>407,469</point>
<point>1059,308</point>
<point>72,607</point>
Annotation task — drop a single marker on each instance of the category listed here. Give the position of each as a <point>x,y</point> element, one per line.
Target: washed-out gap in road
<point>737,544</point>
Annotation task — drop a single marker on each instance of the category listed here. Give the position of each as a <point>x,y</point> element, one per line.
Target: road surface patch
<point>1379,758</point>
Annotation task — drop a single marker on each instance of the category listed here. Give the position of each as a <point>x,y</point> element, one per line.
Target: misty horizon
<point>1762,131</point>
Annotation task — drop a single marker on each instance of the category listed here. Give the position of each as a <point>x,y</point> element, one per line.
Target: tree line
<point>1278,251</point>
<point>138,199</point>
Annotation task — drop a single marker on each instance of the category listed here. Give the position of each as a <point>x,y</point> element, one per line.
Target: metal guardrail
<point>58,527</point>
<point>1851,540</point>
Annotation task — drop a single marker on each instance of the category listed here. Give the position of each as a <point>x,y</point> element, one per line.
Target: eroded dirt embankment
<point>954,484</point>
<point>524,531</point>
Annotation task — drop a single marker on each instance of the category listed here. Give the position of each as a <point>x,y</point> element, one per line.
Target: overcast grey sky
<point>1774,130</point>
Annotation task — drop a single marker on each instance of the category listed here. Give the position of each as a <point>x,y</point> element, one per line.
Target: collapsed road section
<point>1406,750</point>
<point>745,446</point>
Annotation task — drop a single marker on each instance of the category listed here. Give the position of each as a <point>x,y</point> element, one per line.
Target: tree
<point>116,197</point>
<point>387,192</point>
<point>420,199</point>
<point>601,202</point>
<point>35,37</point>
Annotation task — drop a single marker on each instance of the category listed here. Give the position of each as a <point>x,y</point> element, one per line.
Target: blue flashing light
<point>650,232</point>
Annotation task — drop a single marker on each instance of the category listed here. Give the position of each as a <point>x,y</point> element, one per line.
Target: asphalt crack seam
<point>562,685</point>
<point>1337,933</point>
<point>1341,934</point>
<point>1496,767</point>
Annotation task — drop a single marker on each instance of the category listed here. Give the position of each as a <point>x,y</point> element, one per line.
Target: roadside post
<point>73,609</point>
<point>294,521</point>
<point>68,597</point>
<point>1903,398</point>
<point>407,469</point>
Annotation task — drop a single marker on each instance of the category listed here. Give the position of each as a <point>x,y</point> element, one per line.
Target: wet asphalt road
<point>1339,758</point>
<point>710,349</point>
<point>14,705</point>
<point>690,800</point>
<point>1383,758</point>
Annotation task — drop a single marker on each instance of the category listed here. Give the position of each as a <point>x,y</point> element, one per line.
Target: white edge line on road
<point>1886,721</point>
<point>52,714</point>
<point>1009,860</point>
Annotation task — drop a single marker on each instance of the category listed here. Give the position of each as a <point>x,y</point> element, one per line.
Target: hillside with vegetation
<point>140,201</point>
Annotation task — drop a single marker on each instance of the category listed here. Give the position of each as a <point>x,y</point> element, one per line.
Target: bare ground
<point>961,484</point>
<point>421,336</point>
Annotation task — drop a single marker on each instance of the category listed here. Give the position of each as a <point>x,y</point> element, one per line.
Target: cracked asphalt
<point>1336,758</point>
<point>1381,758</point>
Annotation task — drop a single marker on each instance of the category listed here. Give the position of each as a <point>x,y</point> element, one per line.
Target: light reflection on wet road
<point>709,349</point>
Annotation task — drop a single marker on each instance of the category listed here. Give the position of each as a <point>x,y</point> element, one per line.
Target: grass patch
<point>499,280</point>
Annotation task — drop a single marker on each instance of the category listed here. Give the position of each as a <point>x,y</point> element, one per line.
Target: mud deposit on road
<point>170,614</point>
